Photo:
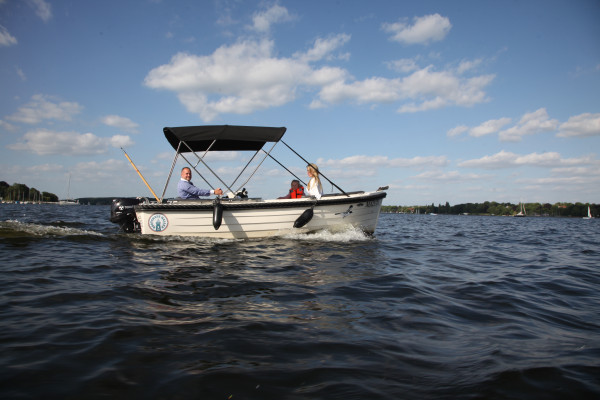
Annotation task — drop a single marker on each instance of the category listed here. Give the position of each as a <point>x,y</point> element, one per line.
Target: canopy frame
<point>194,139</point>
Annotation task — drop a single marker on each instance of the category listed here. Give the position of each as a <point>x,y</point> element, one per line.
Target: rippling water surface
<point>431,307</point>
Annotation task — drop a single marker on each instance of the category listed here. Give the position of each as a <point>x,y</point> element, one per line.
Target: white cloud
<point>165,155</point>
<point>222,156</point>
<point>468,65</point>
<point>530,124</point>
<point>46,168</point>
<point>246,77</point>
<point>442,88</point>
<point>241,78</point>
<point>433,90</point>
<point>582,125</point>
<point>418,161</point>
<point>586,171</point>
<point>559,181</point>
<point>434,103</point>
<point>46,172</point>
<point>42,9</point>
<point>7,126</point>
<point>489,127</point>
<point>43,107</point>
<point>21,74</point>
<point>122,123</point>
<point>371,90</point>
<point>547,159</point>
<point>324,76</point>
<point>403,65</point>
<point>457,130</point>
<point>262,21</point>
<point>429,28</point>
<point>103,170</point>
<point>323,48</point>
<point>505,159</point>
<point>449,177</point>
<point>6,39</point>
<point>361,161</point>
<point>502,159</point>
<point>46,142</point>
<point>120,141</point>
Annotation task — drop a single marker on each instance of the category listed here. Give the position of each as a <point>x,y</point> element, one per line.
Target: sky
<point>443,101</point>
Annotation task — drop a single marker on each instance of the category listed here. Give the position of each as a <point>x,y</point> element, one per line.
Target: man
<point>296,191</point>
<point>187,190</point>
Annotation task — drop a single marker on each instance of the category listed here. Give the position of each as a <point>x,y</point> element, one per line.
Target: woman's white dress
<point>314,189</point>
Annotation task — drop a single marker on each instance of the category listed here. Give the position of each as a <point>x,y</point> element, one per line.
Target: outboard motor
<point>122,213</point>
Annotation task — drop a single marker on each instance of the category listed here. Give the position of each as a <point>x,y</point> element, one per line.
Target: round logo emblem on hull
<point>158,222</point>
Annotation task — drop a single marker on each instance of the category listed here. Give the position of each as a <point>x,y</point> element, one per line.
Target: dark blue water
<point>432,307</point>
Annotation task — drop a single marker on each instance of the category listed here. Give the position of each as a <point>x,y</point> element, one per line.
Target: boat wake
<point>349,234</point>
<point>178,239</point>
<point>17,228</point>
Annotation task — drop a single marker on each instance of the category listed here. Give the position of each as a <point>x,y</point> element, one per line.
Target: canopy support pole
<point>257,167</point>
<point>320,173</point>
<point>194,168</point>
<point>205,152</point>
<point>243,169</point>
<point>170,173</point>
<point>284,167</point>
<point>206,165</point>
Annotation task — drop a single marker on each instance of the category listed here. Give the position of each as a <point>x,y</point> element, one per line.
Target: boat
<point>521,212</point>
<point>589,216</point>
<point>236,215</point>
<point>69,201</point>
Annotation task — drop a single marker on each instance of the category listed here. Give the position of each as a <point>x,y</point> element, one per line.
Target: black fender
<point>217,213</point>
<point>304,218</point>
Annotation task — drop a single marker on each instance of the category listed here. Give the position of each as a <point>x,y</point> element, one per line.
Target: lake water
<point>431,307</point>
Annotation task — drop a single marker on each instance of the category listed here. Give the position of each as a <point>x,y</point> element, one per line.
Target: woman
<point>314,186</point>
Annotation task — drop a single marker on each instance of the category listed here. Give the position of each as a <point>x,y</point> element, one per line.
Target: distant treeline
<point>493,208</point>
<point>20,192</point>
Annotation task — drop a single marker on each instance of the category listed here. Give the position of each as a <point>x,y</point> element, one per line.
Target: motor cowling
<point>123,213</point>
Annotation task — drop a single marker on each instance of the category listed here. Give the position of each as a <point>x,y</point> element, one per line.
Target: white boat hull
<point>249,218</point>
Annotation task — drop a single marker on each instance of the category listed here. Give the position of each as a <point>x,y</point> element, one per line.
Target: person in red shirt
<point>296,191</point>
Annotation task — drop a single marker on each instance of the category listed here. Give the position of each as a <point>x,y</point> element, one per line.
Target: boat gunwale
<point>242,204</point>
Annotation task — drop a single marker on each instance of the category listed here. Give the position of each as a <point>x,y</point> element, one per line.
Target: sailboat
<point>69,201</point>
<point>589,216</point>
<point>521,212</point>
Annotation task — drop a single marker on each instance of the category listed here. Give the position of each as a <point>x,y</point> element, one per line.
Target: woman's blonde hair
<point>314,170</point>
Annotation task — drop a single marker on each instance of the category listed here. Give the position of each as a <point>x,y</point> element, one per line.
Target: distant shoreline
<point>492,208</point>
<point>488,215</point>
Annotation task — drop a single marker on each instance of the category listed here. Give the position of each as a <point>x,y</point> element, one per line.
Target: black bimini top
<point>228,137</point>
